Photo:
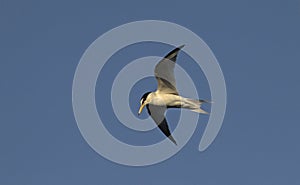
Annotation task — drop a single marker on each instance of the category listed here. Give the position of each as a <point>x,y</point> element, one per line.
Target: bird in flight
<point>166,96</point>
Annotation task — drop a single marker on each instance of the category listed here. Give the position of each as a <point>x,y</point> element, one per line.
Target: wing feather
<point>164,73</point>
<point>158,115</point>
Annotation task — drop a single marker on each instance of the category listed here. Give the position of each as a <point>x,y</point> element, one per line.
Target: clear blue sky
<point>257,46</point>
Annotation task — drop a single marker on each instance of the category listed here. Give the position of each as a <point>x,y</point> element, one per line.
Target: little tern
<point>166,96</point>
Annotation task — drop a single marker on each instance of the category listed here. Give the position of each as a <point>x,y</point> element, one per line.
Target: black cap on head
<point>144,97</point>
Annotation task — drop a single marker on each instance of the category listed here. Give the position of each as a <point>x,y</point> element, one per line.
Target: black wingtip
<point>180,47</point>
<point>172,139</point>
<point>173,54</point>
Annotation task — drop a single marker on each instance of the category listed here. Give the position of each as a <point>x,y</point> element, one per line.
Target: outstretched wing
<point>158,115</point>
<point>164,73</point>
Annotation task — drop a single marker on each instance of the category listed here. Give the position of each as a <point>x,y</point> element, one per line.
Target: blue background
<point>255,42</point>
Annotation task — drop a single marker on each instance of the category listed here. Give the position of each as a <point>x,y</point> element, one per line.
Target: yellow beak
<point>141,108</point>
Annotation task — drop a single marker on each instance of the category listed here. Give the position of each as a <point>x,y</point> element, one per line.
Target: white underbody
<point>172,100</point>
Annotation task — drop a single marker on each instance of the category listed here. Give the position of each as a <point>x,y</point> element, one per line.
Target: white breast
<point>165,99</point>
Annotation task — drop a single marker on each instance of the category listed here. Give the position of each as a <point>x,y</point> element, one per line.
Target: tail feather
<point>200,111</point>
<point>199,102</point>
<point>194,105</point>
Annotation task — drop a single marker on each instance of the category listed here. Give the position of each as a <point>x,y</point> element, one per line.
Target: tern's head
<point>146,98</point>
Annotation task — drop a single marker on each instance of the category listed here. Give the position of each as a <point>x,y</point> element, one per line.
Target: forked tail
<point>194,105</point>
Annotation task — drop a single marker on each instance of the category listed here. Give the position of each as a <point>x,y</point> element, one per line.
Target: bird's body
<point>162,99</point>
<point>166,96</point>
<point>175,101</point>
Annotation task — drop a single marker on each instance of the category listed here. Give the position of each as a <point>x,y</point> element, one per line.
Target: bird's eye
<point>142,100</point>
